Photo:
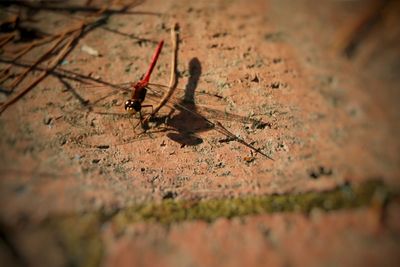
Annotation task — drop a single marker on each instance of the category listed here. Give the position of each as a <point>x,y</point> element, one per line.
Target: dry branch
<point>69,37</point>
<point>173,81</point>
<point>61,54</point>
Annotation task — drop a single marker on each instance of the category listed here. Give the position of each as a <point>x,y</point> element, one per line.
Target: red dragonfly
<point>140,89</point>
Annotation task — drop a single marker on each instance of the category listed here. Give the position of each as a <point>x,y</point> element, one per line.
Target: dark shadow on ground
<point>185,122</point>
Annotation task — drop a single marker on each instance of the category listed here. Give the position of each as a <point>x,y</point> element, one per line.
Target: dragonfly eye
<point>132,106</point>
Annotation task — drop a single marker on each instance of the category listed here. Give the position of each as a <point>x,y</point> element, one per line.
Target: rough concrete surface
<point>272,73</point>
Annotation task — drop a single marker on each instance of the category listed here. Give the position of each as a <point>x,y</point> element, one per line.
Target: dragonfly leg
<point>139,122</point>
<point>148,106</point>
<point>146,119</point>
<point>143,122</point>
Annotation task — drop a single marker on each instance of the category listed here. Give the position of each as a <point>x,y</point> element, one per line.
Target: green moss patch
<point>170,211</point>
<point>79,234</point>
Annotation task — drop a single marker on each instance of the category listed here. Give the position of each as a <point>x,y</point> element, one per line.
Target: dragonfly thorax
<point>133,106</point>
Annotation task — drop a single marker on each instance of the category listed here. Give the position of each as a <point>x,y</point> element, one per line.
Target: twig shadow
<point>70,88</point>
<point>185,123</point>
<point>101,20</point>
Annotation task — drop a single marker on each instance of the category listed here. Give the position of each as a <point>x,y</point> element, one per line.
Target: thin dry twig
<point>6,38</point>
<point>61,54</point>
<point>173,80</point>
<point>26,48</point>
<point>72,33</point>
<point>37,62</point>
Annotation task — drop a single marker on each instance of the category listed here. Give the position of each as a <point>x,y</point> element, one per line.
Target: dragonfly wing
<point>226,116</point>
<point>156,92</point>
<point>104,84</point>
<point>184,93</point>
<point>98,96</point>
<point>98,141</point>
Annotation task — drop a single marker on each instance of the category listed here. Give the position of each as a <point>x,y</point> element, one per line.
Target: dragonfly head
<point>132,106</point>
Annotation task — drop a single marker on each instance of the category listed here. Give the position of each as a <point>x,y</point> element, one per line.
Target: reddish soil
<point>328,120</point>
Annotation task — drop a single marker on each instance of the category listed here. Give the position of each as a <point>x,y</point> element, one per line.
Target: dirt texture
<point>274,73</point>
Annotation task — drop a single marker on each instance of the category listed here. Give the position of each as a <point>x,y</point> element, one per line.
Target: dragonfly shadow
<point>185,123</point>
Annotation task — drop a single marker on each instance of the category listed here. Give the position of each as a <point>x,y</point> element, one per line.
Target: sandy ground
<point>325,120</point>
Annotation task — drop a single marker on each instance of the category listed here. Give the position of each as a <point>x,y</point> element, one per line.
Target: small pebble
<point>91,51</point>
